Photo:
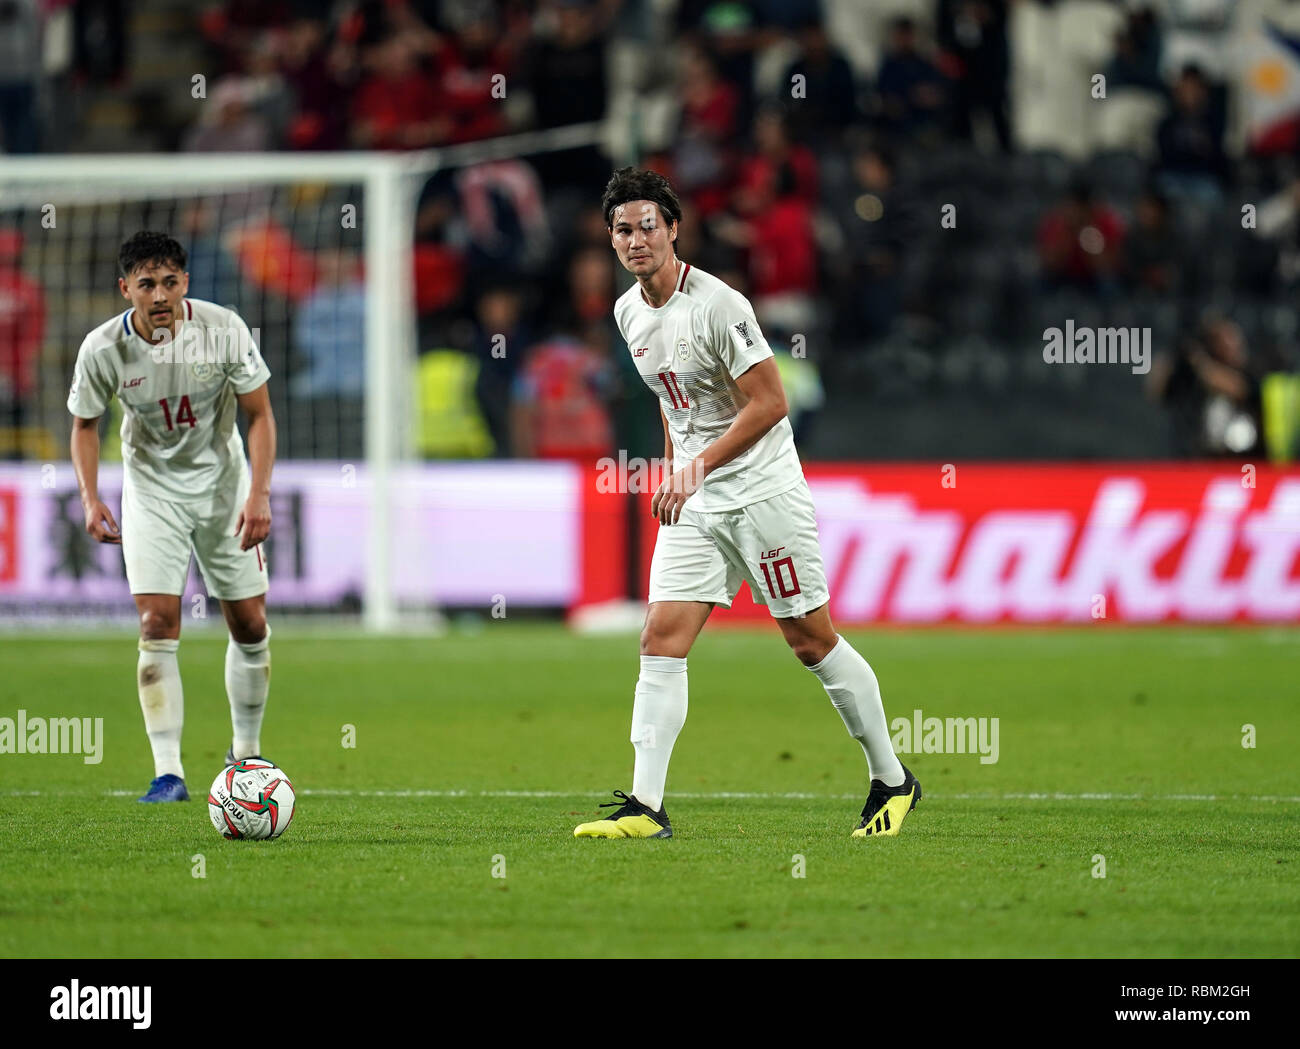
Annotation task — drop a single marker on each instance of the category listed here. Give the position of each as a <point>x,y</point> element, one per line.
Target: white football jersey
<point>179,437</point>
<point>689,351</point>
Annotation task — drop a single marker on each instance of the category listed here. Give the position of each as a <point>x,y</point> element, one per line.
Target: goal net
<point>317,253</point>
<point>314,252</point>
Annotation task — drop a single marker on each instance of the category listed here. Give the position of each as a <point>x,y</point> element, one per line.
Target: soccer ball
<point>251,799</point>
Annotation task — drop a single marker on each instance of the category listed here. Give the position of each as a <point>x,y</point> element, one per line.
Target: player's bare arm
<point>668,441</point>
<point>764,407</point>
<point>255,518</point>
<point>85,461</point>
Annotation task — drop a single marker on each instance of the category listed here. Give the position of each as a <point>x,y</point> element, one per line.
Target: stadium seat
<point>1117,175</point>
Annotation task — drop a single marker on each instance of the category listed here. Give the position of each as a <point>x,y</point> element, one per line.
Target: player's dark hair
<point>150,249</point>
<point>637,184</point>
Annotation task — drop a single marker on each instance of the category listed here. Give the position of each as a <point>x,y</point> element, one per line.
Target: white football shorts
<point>772,545</point>
<point>158,535</point>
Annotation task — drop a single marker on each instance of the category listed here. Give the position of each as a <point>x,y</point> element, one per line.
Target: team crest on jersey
<point>203,371</point>
<point>683,350</point>
<point>742,329</point>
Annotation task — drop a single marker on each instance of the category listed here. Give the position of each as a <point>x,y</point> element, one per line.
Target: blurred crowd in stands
<point>1091,159</point>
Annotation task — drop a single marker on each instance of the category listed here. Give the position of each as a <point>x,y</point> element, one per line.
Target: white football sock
<point>658,714</point>
<point>248,679</point>
<point>163,703</point>
<point>852,686</point>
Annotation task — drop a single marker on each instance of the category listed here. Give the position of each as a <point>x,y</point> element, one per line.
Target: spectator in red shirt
<point>782,254</point>
<point>397,106</point>
<point>759,171</point>
<point>561,397</point>
<point>1079,243</point>
<point>466,65</point>
<point>22,330</point>
<point>231,28</point>
<point>703,161</point>
<point>320,117</point>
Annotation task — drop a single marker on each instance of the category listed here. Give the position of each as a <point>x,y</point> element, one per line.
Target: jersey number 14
<point>184,413</point>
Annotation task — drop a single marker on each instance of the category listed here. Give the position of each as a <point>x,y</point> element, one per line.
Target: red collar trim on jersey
<point>680,286</point>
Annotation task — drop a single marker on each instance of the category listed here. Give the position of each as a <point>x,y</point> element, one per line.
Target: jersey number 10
<point>184,413</point>
<point>786,589</point>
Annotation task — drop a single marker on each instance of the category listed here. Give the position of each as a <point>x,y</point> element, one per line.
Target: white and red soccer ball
<point>251,799</point>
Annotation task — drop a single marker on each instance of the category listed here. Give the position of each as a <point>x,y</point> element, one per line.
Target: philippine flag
<point>1271,90</point>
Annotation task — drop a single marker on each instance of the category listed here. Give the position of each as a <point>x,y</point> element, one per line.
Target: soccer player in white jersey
<point>733,507</point>
<point>179,367</point>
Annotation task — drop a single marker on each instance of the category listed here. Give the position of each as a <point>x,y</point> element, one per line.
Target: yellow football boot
<point>630,819</point>
<point>887,807</point>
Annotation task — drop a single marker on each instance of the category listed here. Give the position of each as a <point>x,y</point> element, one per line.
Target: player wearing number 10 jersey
<point>179,367</point>
<point>734,506</point>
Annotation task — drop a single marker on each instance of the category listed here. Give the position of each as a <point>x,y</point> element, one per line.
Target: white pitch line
<point>722,795</point>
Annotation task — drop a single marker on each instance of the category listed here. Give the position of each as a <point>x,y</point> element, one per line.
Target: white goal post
<point>111,195</point>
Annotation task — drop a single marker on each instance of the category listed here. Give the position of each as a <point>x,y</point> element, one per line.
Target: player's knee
<point>159,625</point>
<point>249,629</point>
<point>808,653</point>
<point>810,650</point>
<point>650,641</point>
<point>656,641</point>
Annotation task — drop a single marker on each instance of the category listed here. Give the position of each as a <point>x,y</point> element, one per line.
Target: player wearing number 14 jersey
<point>734,506</point>
<point>180,367</point>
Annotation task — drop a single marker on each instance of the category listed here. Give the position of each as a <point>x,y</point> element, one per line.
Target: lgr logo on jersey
<point>102,1003</point>
<point>742,329</point>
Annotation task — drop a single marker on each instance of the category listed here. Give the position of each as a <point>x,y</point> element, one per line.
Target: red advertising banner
<point>965,543</point>
<point>1043,543</point>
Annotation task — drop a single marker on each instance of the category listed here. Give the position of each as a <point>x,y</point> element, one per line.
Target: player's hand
<point>671,495</point>
<point>254,521</point>
<point>100,524</point>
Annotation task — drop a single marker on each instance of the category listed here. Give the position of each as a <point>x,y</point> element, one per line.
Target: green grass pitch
<point>481,750</point>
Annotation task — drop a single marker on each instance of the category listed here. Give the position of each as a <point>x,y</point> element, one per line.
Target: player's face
<point>641,237</point>
<point>156,293</point>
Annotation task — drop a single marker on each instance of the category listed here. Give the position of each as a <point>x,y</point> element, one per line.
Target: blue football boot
<point>166,788</point>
